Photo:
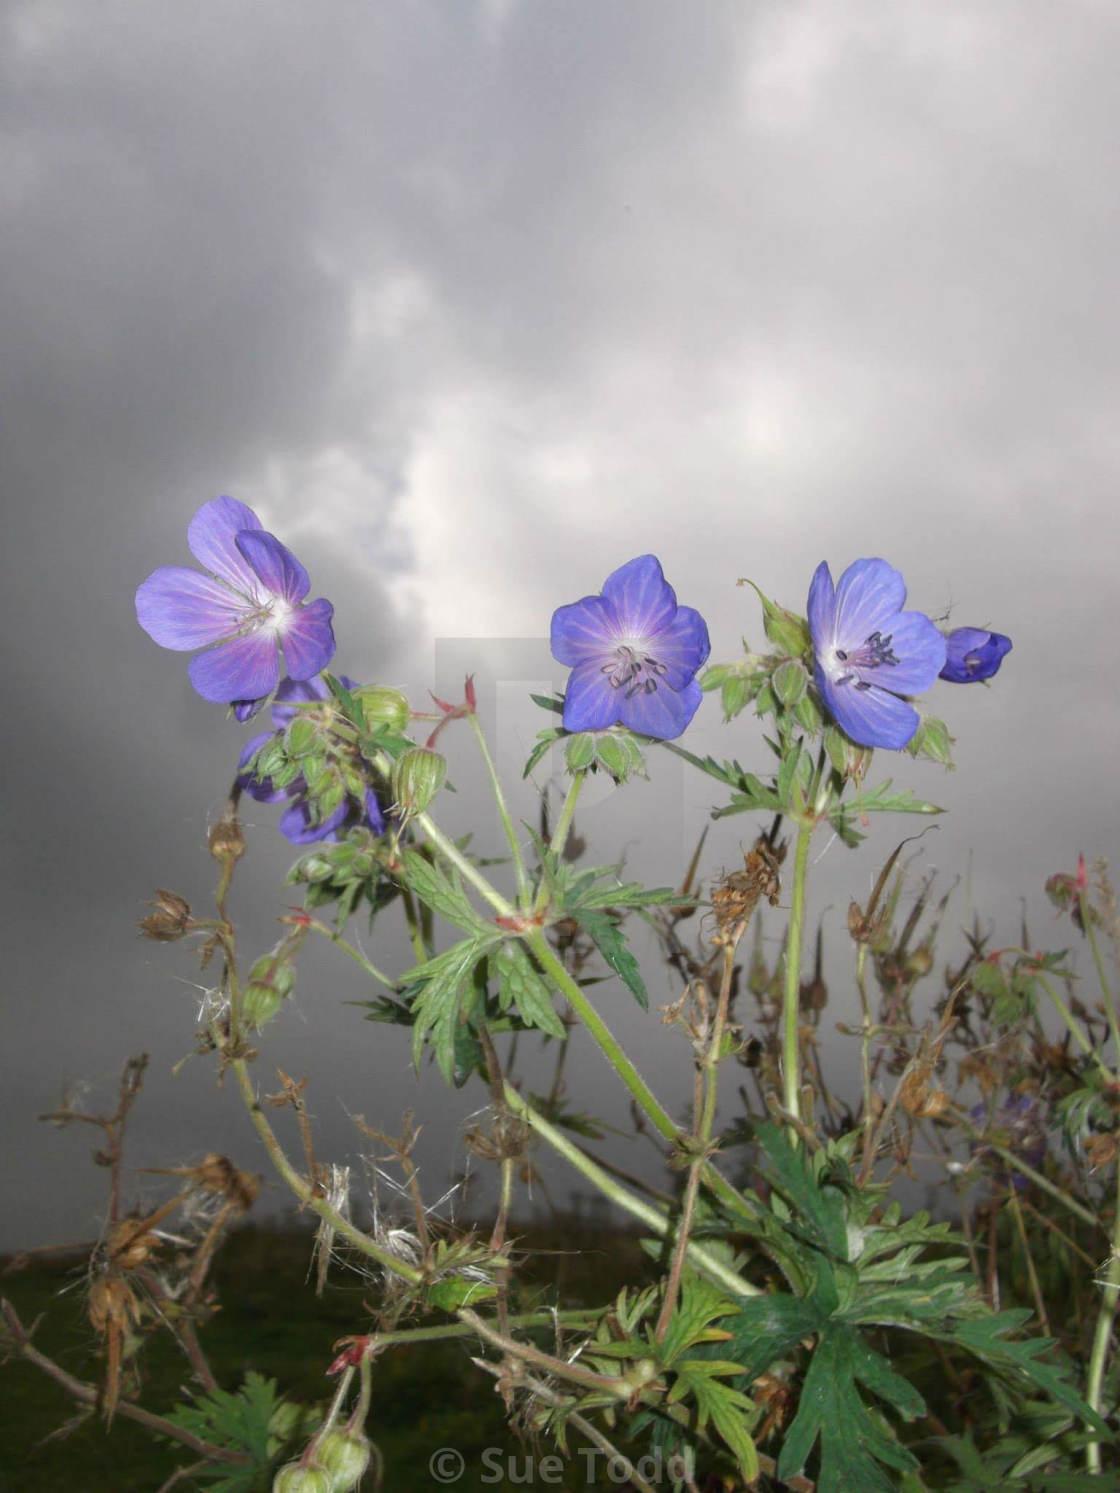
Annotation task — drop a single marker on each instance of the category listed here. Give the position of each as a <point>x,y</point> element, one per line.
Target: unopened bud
<point>292,1478</point>
<point>227,838</point>
<point>620,754</point>
<point>418,775</point>
<point>270,983</point>
<point>789,681</point>
<point>169,921</point>
<point>849,759</point>
<point>345,1455</point>
<point>383,706</point>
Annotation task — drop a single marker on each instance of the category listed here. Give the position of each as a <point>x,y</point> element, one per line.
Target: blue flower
<point>973,653</point>
<point>246,612</point>
<point>633,652</point>
<point>297,823</point>
<point>867,652</point>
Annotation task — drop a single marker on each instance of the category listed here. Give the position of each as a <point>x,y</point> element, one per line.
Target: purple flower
<point>297,822</point>
<point>633,652</point>
<point>867,652</point>
<point>973,653</point>
<point>245,612</point>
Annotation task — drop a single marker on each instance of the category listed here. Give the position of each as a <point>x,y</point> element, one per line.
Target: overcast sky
<point>472,303</point>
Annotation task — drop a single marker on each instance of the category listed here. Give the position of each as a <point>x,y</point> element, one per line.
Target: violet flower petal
<point>642,598</point>
<point>212,538</point>
<point>307,639</point>
<point>868,595</point>
<point>274,565</point>
<point>873,717</point>
<point>582,631</point>
<point>663,713</point>
<point>242,669</point>
<point>973,653</point>
<point>682,645</point>
<point>182,609</point>
<point>590,702</point>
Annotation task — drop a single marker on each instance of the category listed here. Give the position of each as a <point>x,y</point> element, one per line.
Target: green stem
<point>1098,1358</point>
<point>651,1217</point>
<point>791,1004</point>
<point>450,851</point>
<point>355,954</point>
<point>1060,1006</point>
<point>640,1091</point>
<point>1024,1169</point>
<point>503,811</point>
<point>306,1193</point>
<point>405,1337</point>
<point>608,1043</point>
<point>560,833</point>
<point>415,931</point>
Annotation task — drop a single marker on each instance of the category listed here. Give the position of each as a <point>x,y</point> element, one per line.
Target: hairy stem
<point>503,811</point>
<point>304,1190</point>
<point>652,1217</point>
<point>1098,1357</point>
<point>791,1004</point>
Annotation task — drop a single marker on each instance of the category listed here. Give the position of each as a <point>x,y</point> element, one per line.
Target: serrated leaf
<point>438,1006</point>
<point>853,1443</point>
<point>439,892</point>
<point>254,1421</point>
<point>608,939</point>
<point>519,981</point>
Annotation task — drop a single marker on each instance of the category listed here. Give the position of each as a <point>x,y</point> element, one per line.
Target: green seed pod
<point>270,983</point>
<point>789,681</point>
<point>383,706</point>
<point>292,1478</point>
<point>345,1455</point>
<point>418,776</point>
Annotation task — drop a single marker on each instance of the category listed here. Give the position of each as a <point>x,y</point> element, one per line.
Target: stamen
<point>633,672</point>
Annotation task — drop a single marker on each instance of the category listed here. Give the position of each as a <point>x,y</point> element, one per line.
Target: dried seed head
<point>170,920</point>
<point>737,895</point>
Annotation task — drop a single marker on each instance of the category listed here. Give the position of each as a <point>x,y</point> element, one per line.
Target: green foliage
<point>254,1422</point>
<point>854,1264</point>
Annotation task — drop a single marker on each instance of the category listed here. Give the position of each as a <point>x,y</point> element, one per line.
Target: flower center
<point>634,672</point>
<point>875,651</point>
<point>272,612</point>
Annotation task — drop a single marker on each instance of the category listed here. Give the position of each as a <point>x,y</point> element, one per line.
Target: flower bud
<point>171,919</point>
<point>620,754</point>
<point>383,706</point>
<point>293,1478</point>
<point>789,681</point>
<point>418,775</point>
<point>345,1455</point>
<point>270,983</point>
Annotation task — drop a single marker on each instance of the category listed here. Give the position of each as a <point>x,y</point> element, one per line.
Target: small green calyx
<point>293,1478</point>
<point>616,751</point>
<point>788,632</point>
<point>345,1455</point>
<point>271,980</point>
<point>383,706</point>
<point>418,775</point>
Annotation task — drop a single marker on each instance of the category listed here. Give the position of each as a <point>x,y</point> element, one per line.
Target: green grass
<point>423,1398</point>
